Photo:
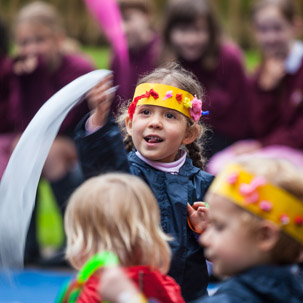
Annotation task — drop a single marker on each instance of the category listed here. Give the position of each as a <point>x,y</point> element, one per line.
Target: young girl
<point>43,67</point>
<point>118,213</point>
<point>276,103</point>
<point>193,37</point>
<point>254,236</point>
<point>143,45</point>
<point>162,118</point>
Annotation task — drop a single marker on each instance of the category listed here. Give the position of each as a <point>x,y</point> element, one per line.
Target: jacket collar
<point>187,170</point>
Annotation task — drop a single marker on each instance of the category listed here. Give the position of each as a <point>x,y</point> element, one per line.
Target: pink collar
<point>170,167</point>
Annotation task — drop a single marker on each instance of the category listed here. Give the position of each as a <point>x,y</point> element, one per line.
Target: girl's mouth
<point>153,139</point>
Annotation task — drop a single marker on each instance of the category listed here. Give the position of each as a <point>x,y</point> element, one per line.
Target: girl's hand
<point>197,215</point>
<point>116,287</point>
<point>246,147</point>
<point>99,101</point>
<point>25,65</point>
<point>272,72</point>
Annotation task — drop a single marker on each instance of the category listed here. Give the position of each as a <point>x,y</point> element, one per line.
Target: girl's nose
<point>203,239</point>
<point>155,122</point>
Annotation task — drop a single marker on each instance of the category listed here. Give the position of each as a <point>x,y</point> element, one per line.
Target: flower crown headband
<point>261,198</point>
<point>167,96</point>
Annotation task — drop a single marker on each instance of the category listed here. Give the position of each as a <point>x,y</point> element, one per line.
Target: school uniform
<point>141,61</point>
<point>9,94</point>
<point>37,87</point>
<point>225,96</point>
<point>277,114</point>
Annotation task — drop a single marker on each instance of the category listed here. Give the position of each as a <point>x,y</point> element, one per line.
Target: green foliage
<point>100,55</point>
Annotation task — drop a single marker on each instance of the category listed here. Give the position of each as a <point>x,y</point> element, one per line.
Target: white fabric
<point>20,180</point>
<point>294,59</point>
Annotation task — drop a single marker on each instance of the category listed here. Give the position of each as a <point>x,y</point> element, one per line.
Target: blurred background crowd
<point>247,55</point>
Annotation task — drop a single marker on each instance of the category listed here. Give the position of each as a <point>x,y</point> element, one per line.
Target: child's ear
<point>268,235</point>
<point>128,124</point>
<point>191,134</point>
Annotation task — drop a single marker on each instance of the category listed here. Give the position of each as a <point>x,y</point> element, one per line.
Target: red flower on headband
<point>133,105</point>
<point>152,93</point>
<point>299,220</point>
<point>179,98</point>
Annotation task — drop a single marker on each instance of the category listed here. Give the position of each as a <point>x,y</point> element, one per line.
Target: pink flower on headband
<point>196,109</point>
<point>168,95</point>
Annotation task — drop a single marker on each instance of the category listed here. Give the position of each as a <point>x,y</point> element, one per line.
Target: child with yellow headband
<point>255,234</point>
<point>162,130</point>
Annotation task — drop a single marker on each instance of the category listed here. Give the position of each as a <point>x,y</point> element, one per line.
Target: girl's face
<point>34,40</point>
<point>227,242</point>
<point>190,40</point>
<point>158,132</point>
<point>136,25</point>
<point>273,32</point>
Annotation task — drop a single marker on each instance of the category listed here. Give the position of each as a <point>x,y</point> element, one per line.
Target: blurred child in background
<point>119,213</point>
<point>143,44</point>
<point>276,102</point>
<point>161,130</point>
<point>192,36</point>
<point>43,67</point>
<point>9,94</point>
<point>254,237</point>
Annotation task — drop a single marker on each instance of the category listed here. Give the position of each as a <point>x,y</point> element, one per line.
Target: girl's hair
<point>145,6</point>
<point>41,13</point>
<point>175,75</point>
<point>118,213</point>
<point>187,12</point>
<point>284,175</point>
<point>286,8</point>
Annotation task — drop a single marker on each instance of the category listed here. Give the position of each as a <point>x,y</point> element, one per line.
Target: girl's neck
<point>170,167</point>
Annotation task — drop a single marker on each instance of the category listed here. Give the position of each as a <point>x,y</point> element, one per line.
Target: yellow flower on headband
<point>187,103</point>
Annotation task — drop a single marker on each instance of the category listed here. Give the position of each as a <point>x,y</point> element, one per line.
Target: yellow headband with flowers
<point>261,198</point>
<point>167,96</point>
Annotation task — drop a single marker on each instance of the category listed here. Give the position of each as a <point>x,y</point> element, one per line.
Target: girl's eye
<point>218,226</point>
<point>145,112</point>
<point>170,116</point>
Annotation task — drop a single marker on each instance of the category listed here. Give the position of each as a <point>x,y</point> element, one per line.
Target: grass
<point>100,55</point>
<point>252,59</point>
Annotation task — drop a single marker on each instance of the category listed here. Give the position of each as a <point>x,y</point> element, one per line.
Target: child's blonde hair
<point>41,14</point>
<point>119,213</point>
<point>284,175</point>
<point>175,75</point>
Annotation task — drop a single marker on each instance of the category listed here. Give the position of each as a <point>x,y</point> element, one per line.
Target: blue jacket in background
<point>103,151</point>
<point>264,284</point>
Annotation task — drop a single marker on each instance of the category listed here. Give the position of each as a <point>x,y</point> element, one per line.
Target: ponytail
<point>128,143</point>
<point>195,153</point>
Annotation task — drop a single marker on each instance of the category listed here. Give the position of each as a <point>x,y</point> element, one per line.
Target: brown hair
<point>179,12</point>
<point>175,75</point>
<point>286,8</point>
<point>119,213</point>
<point>285,176</point>
<point>41,13</point>
<point>146,6</point>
